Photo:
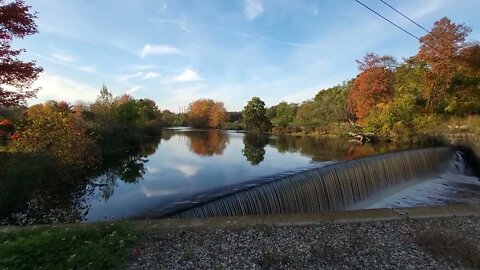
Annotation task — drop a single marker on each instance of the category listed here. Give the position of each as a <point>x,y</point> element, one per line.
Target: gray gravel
<point>381,245</point>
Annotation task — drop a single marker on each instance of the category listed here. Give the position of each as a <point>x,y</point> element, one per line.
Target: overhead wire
<point>385,18</point>
<point>396,25</point>
<point>408,18</point>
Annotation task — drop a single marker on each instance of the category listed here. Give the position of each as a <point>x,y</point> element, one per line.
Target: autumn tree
<point>466,83</point>
<point>254,116</point>
<point>16,76</point>
<point>374,84</point>
<point>206,113</point>
<point>52,129</point>
<point>440,50</point>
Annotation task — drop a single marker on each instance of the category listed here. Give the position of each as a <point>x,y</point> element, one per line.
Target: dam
<point>406,178</point>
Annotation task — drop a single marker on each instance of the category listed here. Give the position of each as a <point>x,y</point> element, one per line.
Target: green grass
<point>89,247</point>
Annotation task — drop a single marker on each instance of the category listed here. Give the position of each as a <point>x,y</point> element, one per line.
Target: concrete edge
<point>281,220</point>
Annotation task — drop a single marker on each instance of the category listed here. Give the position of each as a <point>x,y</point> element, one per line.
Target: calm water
<point>187,162</point>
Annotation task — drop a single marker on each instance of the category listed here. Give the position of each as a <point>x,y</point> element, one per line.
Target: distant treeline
<point>387,97</point>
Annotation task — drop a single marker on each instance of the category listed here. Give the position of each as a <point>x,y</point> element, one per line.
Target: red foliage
<point>14,136</point>
<point>371,87</point>
<point>5,122</point>
<point>16,77</point>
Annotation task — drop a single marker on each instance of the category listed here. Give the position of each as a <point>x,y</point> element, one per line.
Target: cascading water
<point>338,186</point>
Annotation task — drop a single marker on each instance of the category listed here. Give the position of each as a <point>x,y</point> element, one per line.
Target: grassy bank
<point>89,247</point>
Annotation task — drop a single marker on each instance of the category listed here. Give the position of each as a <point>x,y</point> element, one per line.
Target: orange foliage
<point>371,87</point>
<point>212,144</point>
<point>207,113</point>
<point>374,85</point>
<point>440,49</point>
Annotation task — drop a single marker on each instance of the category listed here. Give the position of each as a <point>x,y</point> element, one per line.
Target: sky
<point>177,51</point>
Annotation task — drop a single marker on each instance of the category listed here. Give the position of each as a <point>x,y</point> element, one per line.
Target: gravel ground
<point>380,245</point>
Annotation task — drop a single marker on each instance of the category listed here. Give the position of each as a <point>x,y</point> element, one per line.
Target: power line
<point>406,17</point>
<point>381,16</point>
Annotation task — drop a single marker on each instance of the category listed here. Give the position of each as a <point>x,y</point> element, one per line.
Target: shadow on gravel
<point>450,247</point>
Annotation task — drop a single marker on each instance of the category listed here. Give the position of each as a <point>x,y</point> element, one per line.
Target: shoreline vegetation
<point>431,98</point>
<point>50,153</point>
<point>445,239</point>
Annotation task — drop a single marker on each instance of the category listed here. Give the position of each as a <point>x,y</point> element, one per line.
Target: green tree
<point>254,116</point>
<point>329,105</point>
<point>282,113</point>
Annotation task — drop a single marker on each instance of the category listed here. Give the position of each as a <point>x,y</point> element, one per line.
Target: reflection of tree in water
<point>128,166</point>
<point>33,189</point>
<point>254,149</point>
<point>37,190</point>
<point>207,143</point>
<point>326,149</point>
<point>285,143</point>
<point>356,150</point>
<point>167,134</point>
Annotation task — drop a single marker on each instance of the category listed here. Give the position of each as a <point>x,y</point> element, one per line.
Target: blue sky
<point>176,51</point>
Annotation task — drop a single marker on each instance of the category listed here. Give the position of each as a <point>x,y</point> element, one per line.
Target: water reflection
<point>207,143</point>
<point>134,180</point>
<point>128,165</point>
<point>254,149</point>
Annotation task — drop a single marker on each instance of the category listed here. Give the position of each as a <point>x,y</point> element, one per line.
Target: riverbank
<point>435,243</point>
<point>409,238</point>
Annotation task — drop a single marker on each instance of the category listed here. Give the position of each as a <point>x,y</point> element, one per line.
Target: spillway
<point>333,187</point>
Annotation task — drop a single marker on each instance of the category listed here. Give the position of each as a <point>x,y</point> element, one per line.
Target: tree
<point>254,115</point>
<point>218,115</point>
<point>206,113</point>
<point>16,76</point>
<point>440,50</point>
<point>374,85</point>
<point>330,104</point>
<point>282,113</point>
<point>105,96</point>
<point>53,130</point>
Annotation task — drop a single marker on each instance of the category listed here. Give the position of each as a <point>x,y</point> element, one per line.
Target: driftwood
<point>362,137</point>
<point>358,135</point>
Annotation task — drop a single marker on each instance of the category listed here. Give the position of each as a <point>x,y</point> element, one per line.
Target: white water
<point>454,186</point>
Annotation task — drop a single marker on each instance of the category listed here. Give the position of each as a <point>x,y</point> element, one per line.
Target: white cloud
<point>186,169</point>
<point>253,8</point>
<point>188,75</point>
<point>150,75</point>
<point>60,88</point>
<point>156,193</point>
<point>63,57</point>
<point>133,89</point>
<point>158,49</point>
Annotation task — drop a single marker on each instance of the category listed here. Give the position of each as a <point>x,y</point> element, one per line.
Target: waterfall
<point>333,187</point>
